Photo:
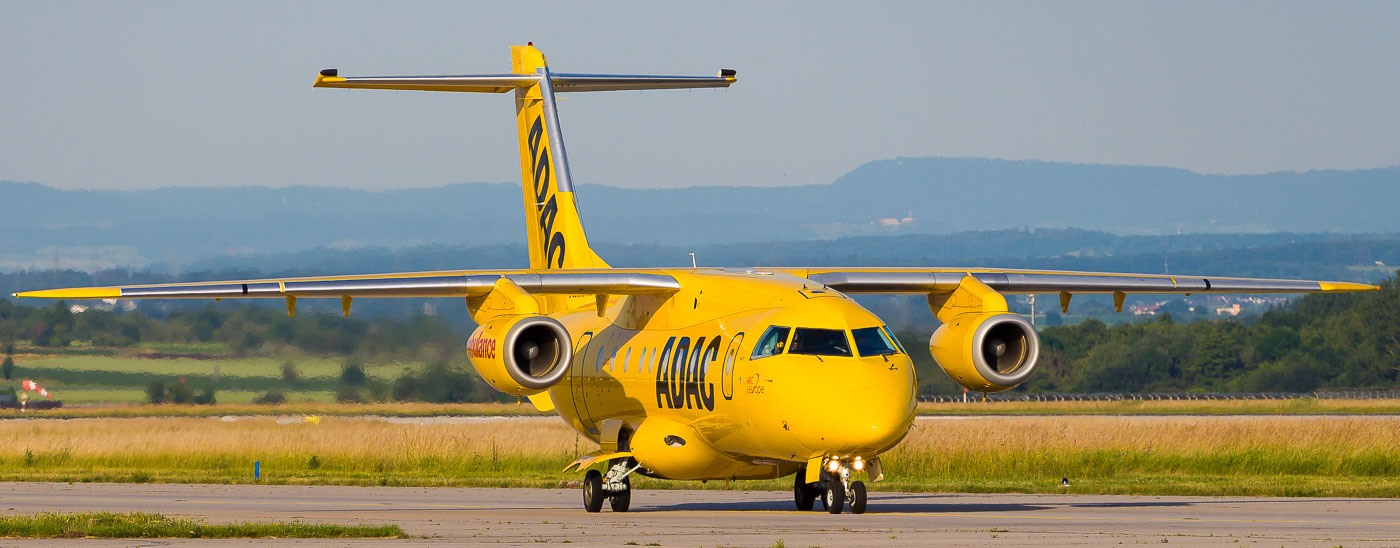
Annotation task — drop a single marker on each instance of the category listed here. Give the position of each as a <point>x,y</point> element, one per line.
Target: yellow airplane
<point>702,373</point>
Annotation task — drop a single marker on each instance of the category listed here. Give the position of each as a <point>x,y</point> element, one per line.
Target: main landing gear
<point>835,489</point>
<point>615,486</point>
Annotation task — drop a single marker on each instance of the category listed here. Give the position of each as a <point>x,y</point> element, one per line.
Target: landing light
<point>859,464</point>
<point>834,464</point>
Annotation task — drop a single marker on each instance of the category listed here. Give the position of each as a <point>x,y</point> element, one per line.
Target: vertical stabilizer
<point>555,232</point>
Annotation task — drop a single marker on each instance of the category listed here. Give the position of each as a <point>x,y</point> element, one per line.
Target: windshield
<point>820,342</point>
<point>872,341</point>
<point>771,343</point>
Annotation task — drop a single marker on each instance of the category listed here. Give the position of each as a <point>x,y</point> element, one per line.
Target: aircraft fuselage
<point>688,358</point>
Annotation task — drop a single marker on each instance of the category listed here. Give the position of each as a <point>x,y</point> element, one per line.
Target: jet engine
<point>987,352</point>
<point>521,355</point>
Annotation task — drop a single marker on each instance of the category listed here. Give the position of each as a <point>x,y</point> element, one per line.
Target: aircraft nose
<point>872,419</point>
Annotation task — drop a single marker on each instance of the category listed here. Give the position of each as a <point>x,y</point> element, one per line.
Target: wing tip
<point>1344,287</point>
<point>71,293</point>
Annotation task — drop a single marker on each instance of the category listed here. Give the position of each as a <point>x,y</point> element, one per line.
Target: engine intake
<point>986,352</point>
<point>521,355</point>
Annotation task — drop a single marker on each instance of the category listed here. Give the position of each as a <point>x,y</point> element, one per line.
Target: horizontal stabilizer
<point>501,83</point>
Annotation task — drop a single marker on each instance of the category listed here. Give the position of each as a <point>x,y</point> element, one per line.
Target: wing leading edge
<point>1014,281</point>
<point>412,284</point>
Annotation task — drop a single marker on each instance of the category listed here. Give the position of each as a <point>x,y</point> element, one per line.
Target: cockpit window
<point>771,343</point>
<point>820,342</point>
<point>872,341</point>
<point>895,338</point>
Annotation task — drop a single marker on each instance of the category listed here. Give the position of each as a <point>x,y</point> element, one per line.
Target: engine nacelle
<point>986,352</point>
<point>521,355</point>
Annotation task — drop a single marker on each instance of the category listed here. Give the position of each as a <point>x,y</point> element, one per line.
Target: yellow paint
<point>971,297</point>
<point>961,312</point>
<point>1337,287</point>
<point>554,233</point>
<point>588,460</point>
<point>73,293</point>
<point>542,402</point>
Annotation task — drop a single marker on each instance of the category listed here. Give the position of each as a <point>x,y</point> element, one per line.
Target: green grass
<point>300,403</point>
<point>78,378</point>
<point>143,525</point>
<point>133,395</point>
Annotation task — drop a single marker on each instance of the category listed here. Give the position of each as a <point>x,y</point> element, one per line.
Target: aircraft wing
<point>1016,281</point>
<point>409,284</point>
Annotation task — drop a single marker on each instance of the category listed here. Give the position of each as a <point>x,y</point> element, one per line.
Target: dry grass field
<point>1237,455</point>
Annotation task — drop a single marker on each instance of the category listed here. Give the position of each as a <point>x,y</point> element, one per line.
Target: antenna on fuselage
<point>692,261</point>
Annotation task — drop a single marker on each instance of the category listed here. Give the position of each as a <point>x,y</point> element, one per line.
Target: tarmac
<point>511,517</point>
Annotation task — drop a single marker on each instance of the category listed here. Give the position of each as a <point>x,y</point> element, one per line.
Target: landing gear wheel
<point>835,497</point>
<point>593,491</point>
<point>857,497</point>
<point>802,492</point>
<point>622,500</point>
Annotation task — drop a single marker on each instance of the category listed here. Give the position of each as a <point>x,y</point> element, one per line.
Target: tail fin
<point>554,228</point>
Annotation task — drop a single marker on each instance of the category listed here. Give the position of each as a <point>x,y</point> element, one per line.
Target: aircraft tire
<point>802,492</point>
<point>620,502</point>
<point>857,497</point>
<point>593,491</point>
<point>835,497</point>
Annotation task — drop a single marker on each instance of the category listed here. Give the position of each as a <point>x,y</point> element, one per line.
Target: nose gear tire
<point>835,497</point>
<point>857,497</point>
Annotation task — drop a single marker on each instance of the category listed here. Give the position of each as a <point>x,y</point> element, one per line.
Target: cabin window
<point>820,342</point>
<point>627,359</point>
<point>771,343</point>
<point>872,341</point>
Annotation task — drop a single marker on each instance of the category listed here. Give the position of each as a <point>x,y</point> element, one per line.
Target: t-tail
<point>555,232</point>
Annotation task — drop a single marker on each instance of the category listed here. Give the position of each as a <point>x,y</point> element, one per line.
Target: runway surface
<point>496,517</point>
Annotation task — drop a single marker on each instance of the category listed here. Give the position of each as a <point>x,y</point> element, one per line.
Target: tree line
<point>243,330</point>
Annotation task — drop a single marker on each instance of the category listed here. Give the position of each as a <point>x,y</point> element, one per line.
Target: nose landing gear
<point>835,489</point>
<point>616,486</point>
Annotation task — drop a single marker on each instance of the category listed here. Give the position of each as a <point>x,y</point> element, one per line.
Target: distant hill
<point>48,228</point>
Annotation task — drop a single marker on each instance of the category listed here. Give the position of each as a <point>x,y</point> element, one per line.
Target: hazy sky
<point>137,95</point>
